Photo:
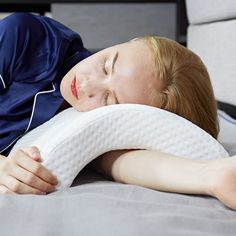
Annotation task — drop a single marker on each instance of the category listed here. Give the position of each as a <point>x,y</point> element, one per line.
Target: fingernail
<point>55,181</point>
<point>53,188</point>
<point>42,193</point>
<point>35,154</point>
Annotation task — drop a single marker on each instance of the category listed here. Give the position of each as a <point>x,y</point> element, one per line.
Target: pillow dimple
<point>72,139</point>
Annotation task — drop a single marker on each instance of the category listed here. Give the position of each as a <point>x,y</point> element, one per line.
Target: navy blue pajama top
<point>35,53</point>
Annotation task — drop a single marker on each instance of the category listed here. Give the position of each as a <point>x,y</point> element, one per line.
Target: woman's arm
<point>154,170</point>
<point>166,172</point>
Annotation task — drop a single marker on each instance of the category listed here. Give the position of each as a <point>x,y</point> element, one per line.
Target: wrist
<point>182,175</point>
<point>214,172</point>
<point>194,178</point>
<point>222,180</point>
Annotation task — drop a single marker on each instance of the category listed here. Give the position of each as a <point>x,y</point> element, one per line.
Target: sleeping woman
<point>45,68</point>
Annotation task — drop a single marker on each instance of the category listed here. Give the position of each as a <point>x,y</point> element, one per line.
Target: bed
<point>97,206</point>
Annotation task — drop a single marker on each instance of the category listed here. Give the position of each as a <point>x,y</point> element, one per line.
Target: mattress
<point>95,206</point>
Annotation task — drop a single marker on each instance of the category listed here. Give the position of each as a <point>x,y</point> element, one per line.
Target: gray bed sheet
<point>97,206</point>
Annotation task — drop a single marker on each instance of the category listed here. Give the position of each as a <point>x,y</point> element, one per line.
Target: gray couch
<point>212,35</point>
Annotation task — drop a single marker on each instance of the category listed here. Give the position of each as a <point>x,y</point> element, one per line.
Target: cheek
<point>86,65</point>
<point>88,104</point>
<point>65,86</point>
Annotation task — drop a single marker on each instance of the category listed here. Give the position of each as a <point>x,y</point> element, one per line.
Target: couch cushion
<point>203,11</point>
<point>215,44</point>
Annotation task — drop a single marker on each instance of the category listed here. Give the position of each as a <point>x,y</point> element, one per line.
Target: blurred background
<point>105,23</point>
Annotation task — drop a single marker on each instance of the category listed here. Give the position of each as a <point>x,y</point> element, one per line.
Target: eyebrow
<point>112,72</point>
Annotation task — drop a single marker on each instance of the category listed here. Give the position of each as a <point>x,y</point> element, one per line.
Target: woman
<point>45,69</point>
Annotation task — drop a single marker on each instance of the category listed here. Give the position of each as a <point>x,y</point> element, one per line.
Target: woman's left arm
<point>166,172</point>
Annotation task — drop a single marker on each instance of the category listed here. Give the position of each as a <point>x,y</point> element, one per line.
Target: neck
<point>63,106</point>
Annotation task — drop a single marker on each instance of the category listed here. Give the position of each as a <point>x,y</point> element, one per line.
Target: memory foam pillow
<point>72,139</point>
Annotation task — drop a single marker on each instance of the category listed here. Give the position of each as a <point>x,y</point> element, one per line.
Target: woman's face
<point>120,74</point>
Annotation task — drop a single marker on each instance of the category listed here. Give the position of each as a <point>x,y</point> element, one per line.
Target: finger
<point>36,168</point>
<point>32,180</point>
<point>16,186</point>
<point>5,190</point>
<point>33,152</point>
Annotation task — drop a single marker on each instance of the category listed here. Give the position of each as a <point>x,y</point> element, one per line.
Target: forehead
<point>130,48</point>
<point>135,55</point>
<point>135,74</point>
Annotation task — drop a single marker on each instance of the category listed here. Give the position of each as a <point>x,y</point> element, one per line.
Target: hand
<point>223,180</point>
<point>22,173</point>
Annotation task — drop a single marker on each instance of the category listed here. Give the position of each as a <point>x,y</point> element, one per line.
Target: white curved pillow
<point>72,139</point>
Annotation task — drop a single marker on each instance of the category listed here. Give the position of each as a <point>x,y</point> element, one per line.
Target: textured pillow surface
<point>72,139</point>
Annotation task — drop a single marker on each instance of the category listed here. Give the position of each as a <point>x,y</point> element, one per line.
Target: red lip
<point>73,88</point>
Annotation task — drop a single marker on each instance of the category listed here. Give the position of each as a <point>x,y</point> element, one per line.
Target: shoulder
<point>18,25</point>
<point>18,20</point>
<point>37,24</point>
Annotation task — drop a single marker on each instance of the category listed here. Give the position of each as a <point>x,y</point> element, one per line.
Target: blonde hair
<point>185,84</point>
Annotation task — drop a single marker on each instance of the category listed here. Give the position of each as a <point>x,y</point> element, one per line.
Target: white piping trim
<point>10,144</point>
<point>35,98</point>
<point>4,85</point>
<point>32,114</point>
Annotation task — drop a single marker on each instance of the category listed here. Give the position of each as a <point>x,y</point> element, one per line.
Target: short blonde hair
<point>186,88</point>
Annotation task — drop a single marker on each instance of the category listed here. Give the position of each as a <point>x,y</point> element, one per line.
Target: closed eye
<point>105,102</point>
<point>110,98</point>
